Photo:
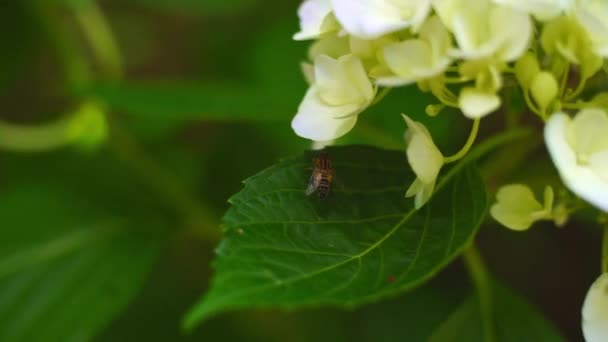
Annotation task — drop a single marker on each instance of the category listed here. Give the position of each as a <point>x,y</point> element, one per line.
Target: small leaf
<point>365,242</point>
<point>515,320</point>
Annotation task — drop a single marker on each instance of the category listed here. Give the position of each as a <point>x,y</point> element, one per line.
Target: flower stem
<point>532,106</point>
<point>99,35</point>
<point>381,95</point>
<point>574,93</point>
<point>483,285</point>
<point>38,138</point>
<point>467,146</point>
<point>197,217</point>
<point>564,81</point>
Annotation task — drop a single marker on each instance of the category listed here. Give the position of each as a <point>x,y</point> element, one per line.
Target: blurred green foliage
<point>115,241</point>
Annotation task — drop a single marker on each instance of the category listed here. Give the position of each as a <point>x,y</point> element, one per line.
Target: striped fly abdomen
<point>321,178</point>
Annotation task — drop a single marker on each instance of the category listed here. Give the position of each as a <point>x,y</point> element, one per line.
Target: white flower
<point>371,19</point>
<point>341,90</point>
<point>579,149</point>
<point>315,19</point>
<point>517,208</point>
<point>425,159</point>
<point>595,311</point>
<point>593,16</point>
<point>540,9</point>
<point>416,59</point>
<point>483,29</point>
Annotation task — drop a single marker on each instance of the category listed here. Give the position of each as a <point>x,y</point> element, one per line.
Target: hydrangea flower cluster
<point>464,52</point>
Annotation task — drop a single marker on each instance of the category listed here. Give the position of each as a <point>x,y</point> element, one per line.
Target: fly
<point>322,176</point>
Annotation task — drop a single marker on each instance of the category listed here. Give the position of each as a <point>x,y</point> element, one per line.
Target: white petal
<point>424,195</point>
<point>414,60</point>
<point>514,41</point>
<point>598,162</point>
<point>342,81</point>
<point>331,46</point>
<point>595,311</point>
<point>593,16</point>
<point>515,206</point>
<point>371,19</point>
<point>308,70</point>
<point>402,57</point>
<point>587,133</point>
<point>580,179</point>
<point>312,14</point>
<point>414,188</point>
<point>424,157</point>
<point>541,9</point>
<point>393,81</point>
<point>476,104</point>
<point>316,120</point>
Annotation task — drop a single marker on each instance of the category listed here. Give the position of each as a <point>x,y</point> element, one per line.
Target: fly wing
<point>312,184</point>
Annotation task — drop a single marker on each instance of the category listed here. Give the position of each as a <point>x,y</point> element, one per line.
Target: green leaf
<point>515,320</point>
<point>65,271</point>
<point>363,243</point>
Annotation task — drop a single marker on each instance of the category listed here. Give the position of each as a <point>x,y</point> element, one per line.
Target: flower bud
<point>526,68</point>
<point>544,89</point>
<point>88,127</point>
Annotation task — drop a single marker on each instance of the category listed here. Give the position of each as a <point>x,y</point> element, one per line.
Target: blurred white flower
<point>593,16</point>
<point>315,19</point>
<point>595,311</point>
<point>415,59</point>
<point>425,160</point>
<point>371,19</point>
<point>341,90</point>
<point>541,9</point>
<point>483,29</point>
<point>564,36</point>
<point>517,208</point>
<point>579,150</point>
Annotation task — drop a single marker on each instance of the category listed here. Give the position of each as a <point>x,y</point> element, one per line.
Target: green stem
<point>532,106</point>
<point>576,105</point>
<point>490,144</point>
<point>38,138</point>
<point>100,37</point>
<point>605,250</point>
<point>579,88</point>
<point>467,146</point>
<point>564,81</point>
<point>483,285</point>
<point>75,66</point>
<point>196,215</point>
<point>381,95</point>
